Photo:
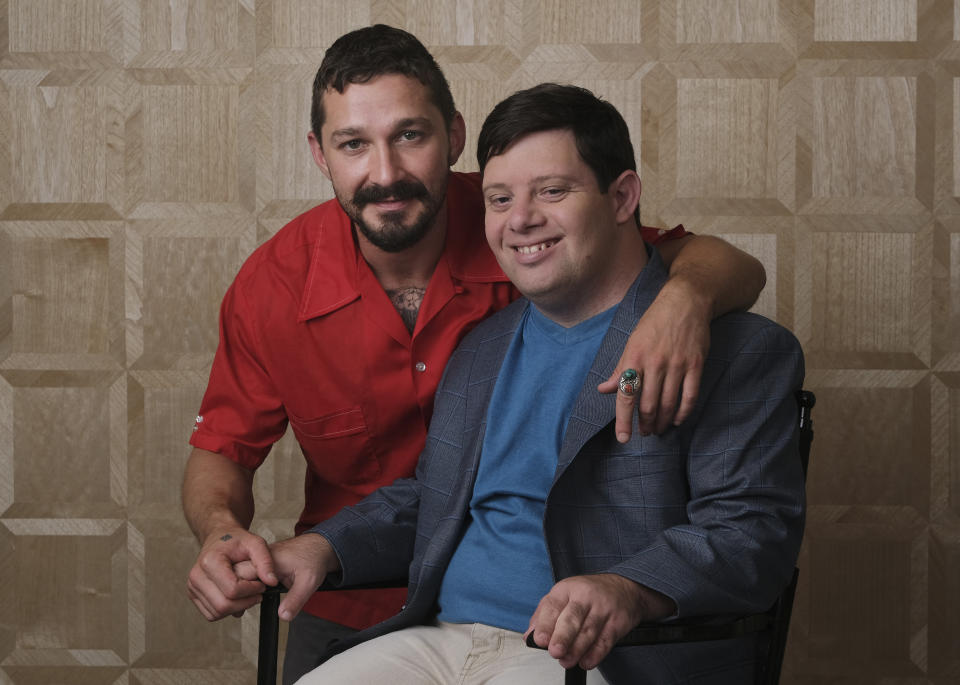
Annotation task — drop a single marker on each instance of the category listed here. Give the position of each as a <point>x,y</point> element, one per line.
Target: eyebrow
<point>534,181</point>
<point>354,131</point>
<point>415,121</point>
<point>344,133</point>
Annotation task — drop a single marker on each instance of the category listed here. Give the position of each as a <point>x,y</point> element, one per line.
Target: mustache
<point>401,190</point>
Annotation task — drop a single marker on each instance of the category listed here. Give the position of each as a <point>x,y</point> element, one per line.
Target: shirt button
<point>421,366</point>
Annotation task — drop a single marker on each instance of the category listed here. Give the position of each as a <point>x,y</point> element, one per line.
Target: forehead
<point>536,156</point>
<point>379,102</point>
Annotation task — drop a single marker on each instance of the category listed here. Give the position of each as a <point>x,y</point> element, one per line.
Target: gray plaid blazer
<point>710,513</point>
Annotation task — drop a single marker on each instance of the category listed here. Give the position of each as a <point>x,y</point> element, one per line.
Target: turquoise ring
<point>629,382</point>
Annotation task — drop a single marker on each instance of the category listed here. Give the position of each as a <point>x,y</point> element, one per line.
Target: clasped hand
<point>302,563</point>
<point>213,584</point>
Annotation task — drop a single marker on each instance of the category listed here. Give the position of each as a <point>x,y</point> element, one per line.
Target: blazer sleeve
<point>746,486</point>
<point>374,538</point>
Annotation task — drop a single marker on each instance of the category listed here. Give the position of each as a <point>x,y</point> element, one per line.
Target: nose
<point>384,166</point>
<point>524,214</point>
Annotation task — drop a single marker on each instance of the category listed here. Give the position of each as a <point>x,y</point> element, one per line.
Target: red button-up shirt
<point>309,337</point>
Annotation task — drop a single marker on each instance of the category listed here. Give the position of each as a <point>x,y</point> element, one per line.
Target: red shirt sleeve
<point>654,235</point>
<point>241,414</point>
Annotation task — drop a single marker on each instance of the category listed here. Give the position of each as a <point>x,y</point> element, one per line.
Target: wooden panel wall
<point>147,146</point>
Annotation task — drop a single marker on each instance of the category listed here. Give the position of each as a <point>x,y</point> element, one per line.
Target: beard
<point>392,235</point>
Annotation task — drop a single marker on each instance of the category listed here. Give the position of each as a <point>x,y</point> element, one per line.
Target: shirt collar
<point>333,275</point>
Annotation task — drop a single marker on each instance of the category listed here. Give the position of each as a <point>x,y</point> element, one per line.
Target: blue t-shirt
<point>501,569</point>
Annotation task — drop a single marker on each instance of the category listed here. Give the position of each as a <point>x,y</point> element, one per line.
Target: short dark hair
<point>601,134</point>
<point>364,54</point>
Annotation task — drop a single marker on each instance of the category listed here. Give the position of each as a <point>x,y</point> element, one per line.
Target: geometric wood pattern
<point>148,146</point>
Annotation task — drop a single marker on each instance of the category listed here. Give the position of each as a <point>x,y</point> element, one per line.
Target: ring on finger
<point>629,382</point>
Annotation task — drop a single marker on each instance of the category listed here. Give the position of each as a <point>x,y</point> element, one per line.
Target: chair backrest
<point>783,608</point>
<point>806,400</point>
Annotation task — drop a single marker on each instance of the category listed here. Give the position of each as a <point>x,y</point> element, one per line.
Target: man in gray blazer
<point>526,513</point>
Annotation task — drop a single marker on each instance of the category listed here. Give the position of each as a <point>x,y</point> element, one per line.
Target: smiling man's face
<point>387,151</point>
<point>553,231</point>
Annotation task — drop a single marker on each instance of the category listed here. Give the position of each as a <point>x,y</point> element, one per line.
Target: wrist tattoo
<point>226,537</point>
<point>407,302</point>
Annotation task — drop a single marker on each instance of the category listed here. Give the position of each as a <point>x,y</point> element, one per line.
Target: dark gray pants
<point>307,640</point>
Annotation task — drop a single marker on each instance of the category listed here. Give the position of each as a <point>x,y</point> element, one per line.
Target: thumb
<point>245,570</point>
<point>612,384</point>
<point>301,590</point>
<point>262,561</point>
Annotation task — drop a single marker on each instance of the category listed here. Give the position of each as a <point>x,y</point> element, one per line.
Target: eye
<point>411,135</point>
<point>497,202</point>
<point>351,145</point>
<point>553,192</point>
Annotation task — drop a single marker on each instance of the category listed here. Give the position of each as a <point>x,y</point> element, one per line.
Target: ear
<point>458,138</point>
<point>317,151</point>
<point>625,193</point>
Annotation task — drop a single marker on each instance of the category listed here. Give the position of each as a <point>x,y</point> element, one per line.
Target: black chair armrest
<point>695,631</point>
<point>690,630</point>
<point>684,630</point>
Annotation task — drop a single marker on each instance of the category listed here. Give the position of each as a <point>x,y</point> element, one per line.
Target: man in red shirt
<point>342,323</point>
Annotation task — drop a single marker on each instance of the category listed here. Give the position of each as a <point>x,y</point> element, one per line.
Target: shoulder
<point>752,362</point>
<point>289,251</point>
<point>503,322</point>
<point>481,350</point>
<point>465,201</point>
<point>468,181</point>
<point>749,349</point>
<point>659,236</point>
<point>733,332</point>
<point>464,196</point>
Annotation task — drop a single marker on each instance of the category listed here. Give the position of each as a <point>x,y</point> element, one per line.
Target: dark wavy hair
<point>601,134</point>
<point>364,54</point>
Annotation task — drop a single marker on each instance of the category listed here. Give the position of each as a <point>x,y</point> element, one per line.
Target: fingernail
<point>623,437</point>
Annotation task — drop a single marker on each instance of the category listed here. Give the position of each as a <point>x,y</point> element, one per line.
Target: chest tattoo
<point>407,301</point>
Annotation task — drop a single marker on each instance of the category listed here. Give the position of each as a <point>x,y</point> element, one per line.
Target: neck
<point>573,307</point>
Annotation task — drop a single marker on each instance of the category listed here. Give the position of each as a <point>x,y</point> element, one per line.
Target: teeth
<point>530,249</point>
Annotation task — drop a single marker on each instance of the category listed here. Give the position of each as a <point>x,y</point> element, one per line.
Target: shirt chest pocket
<point>337,446</point>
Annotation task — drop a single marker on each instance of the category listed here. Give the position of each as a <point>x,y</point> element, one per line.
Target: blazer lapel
<point>593,411</point>
<point>485,367</point>
<point>488,359</point>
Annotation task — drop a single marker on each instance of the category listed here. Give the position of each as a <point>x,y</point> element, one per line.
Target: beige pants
<point>444,654</point>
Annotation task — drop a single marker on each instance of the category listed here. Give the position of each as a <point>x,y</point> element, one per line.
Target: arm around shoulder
<point>708,277</point>
<point>718,276</point>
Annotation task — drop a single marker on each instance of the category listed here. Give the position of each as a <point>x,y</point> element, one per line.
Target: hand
<point>302,564</point>
<point>583,617</point>
<point>213,585</point>
<point>667,348</point>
